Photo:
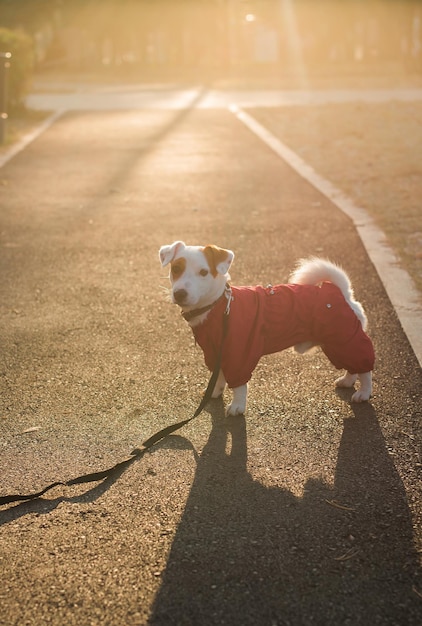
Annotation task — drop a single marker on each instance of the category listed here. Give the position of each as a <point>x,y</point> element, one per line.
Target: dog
<point>316,307</point>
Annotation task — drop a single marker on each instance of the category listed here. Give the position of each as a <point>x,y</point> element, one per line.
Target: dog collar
<point>227,293</point>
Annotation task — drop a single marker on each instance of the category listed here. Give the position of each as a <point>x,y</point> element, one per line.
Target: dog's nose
<point>180,295</point>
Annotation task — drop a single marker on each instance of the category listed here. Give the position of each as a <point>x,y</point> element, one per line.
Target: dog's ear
<point>167,253</point>
<point>218,259</point>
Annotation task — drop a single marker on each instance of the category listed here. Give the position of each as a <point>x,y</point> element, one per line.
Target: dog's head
<point>198,275</point>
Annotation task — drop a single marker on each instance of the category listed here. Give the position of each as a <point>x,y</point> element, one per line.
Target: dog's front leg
<point>365,391</point>
<point>219,385</point>
<point>238,404</point>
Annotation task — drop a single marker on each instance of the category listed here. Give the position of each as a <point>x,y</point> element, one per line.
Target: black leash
<point>137,452</point>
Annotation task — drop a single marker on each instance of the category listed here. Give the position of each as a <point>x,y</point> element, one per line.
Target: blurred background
<point>217,39</point>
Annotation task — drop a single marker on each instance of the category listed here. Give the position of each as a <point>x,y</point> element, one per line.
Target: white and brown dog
<point>316,307</point>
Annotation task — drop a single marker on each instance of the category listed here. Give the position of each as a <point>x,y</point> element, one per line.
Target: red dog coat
<point>266,320</point>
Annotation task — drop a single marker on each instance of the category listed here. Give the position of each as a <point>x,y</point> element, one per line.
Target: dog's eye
<point>204,272</point>
<point>177,269</point>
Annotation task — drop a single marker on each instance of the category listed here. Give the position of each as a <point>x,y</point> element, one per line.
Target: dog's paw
<point>365,390</point>
<point>361,395</point>
<point>238,403</point>
<point>235,409</point>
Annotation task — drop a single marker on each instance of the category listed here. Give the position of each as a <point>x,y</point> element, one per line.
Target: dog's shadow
<point>247,554</point>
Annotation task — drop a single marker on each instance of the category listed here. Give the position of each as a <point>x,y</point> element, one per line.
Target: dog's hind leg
<point>348,380</point>
<point>365,389</point>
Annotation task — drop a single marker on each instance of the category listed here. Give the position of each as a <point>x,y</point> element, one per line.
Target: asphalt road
<point>308,511</point>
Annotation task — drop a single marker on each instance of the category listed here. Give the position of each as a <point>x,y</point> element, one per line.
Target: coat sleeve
<point>244,342</point>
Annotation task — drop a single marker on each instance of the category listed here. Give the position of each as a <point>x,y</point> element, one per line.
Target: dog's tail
<point>314,271</point>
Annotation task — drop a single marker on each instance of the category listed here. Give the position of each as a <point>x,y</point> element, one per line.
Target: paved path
<point>306,512</point>
<point>400,288</point>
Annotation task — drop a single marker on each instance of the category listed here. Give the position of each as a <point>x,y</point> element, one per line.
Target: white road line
<point>28,138</point>
<point>172,100</point>
<point>399,286</point>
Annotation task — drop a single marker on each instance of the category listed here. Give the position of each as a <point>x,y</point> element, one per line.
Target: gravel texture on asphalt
<point>306,511</point>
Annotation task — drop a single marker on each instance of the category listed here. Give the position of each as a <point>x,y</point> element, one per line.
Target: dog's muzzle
<point>180,296</point>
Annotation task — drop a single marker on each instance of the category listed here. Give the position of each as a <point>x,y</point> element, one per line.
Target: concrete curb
<point>399,286</point>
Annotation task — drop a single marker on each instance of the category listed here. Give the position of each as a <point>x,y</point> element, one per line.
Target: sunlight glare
<point>250,17</point>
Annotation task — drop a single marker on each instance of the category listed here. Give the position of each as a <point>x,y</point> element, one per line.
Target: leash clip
<point>229,297</point>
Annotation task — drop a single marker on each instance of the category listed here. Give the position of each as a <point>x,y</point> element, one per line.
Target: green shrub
<point>20,45</point>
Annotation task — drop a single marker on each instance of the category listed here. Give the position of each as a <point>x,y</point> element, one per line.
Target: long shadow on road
<point>247,554</point>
